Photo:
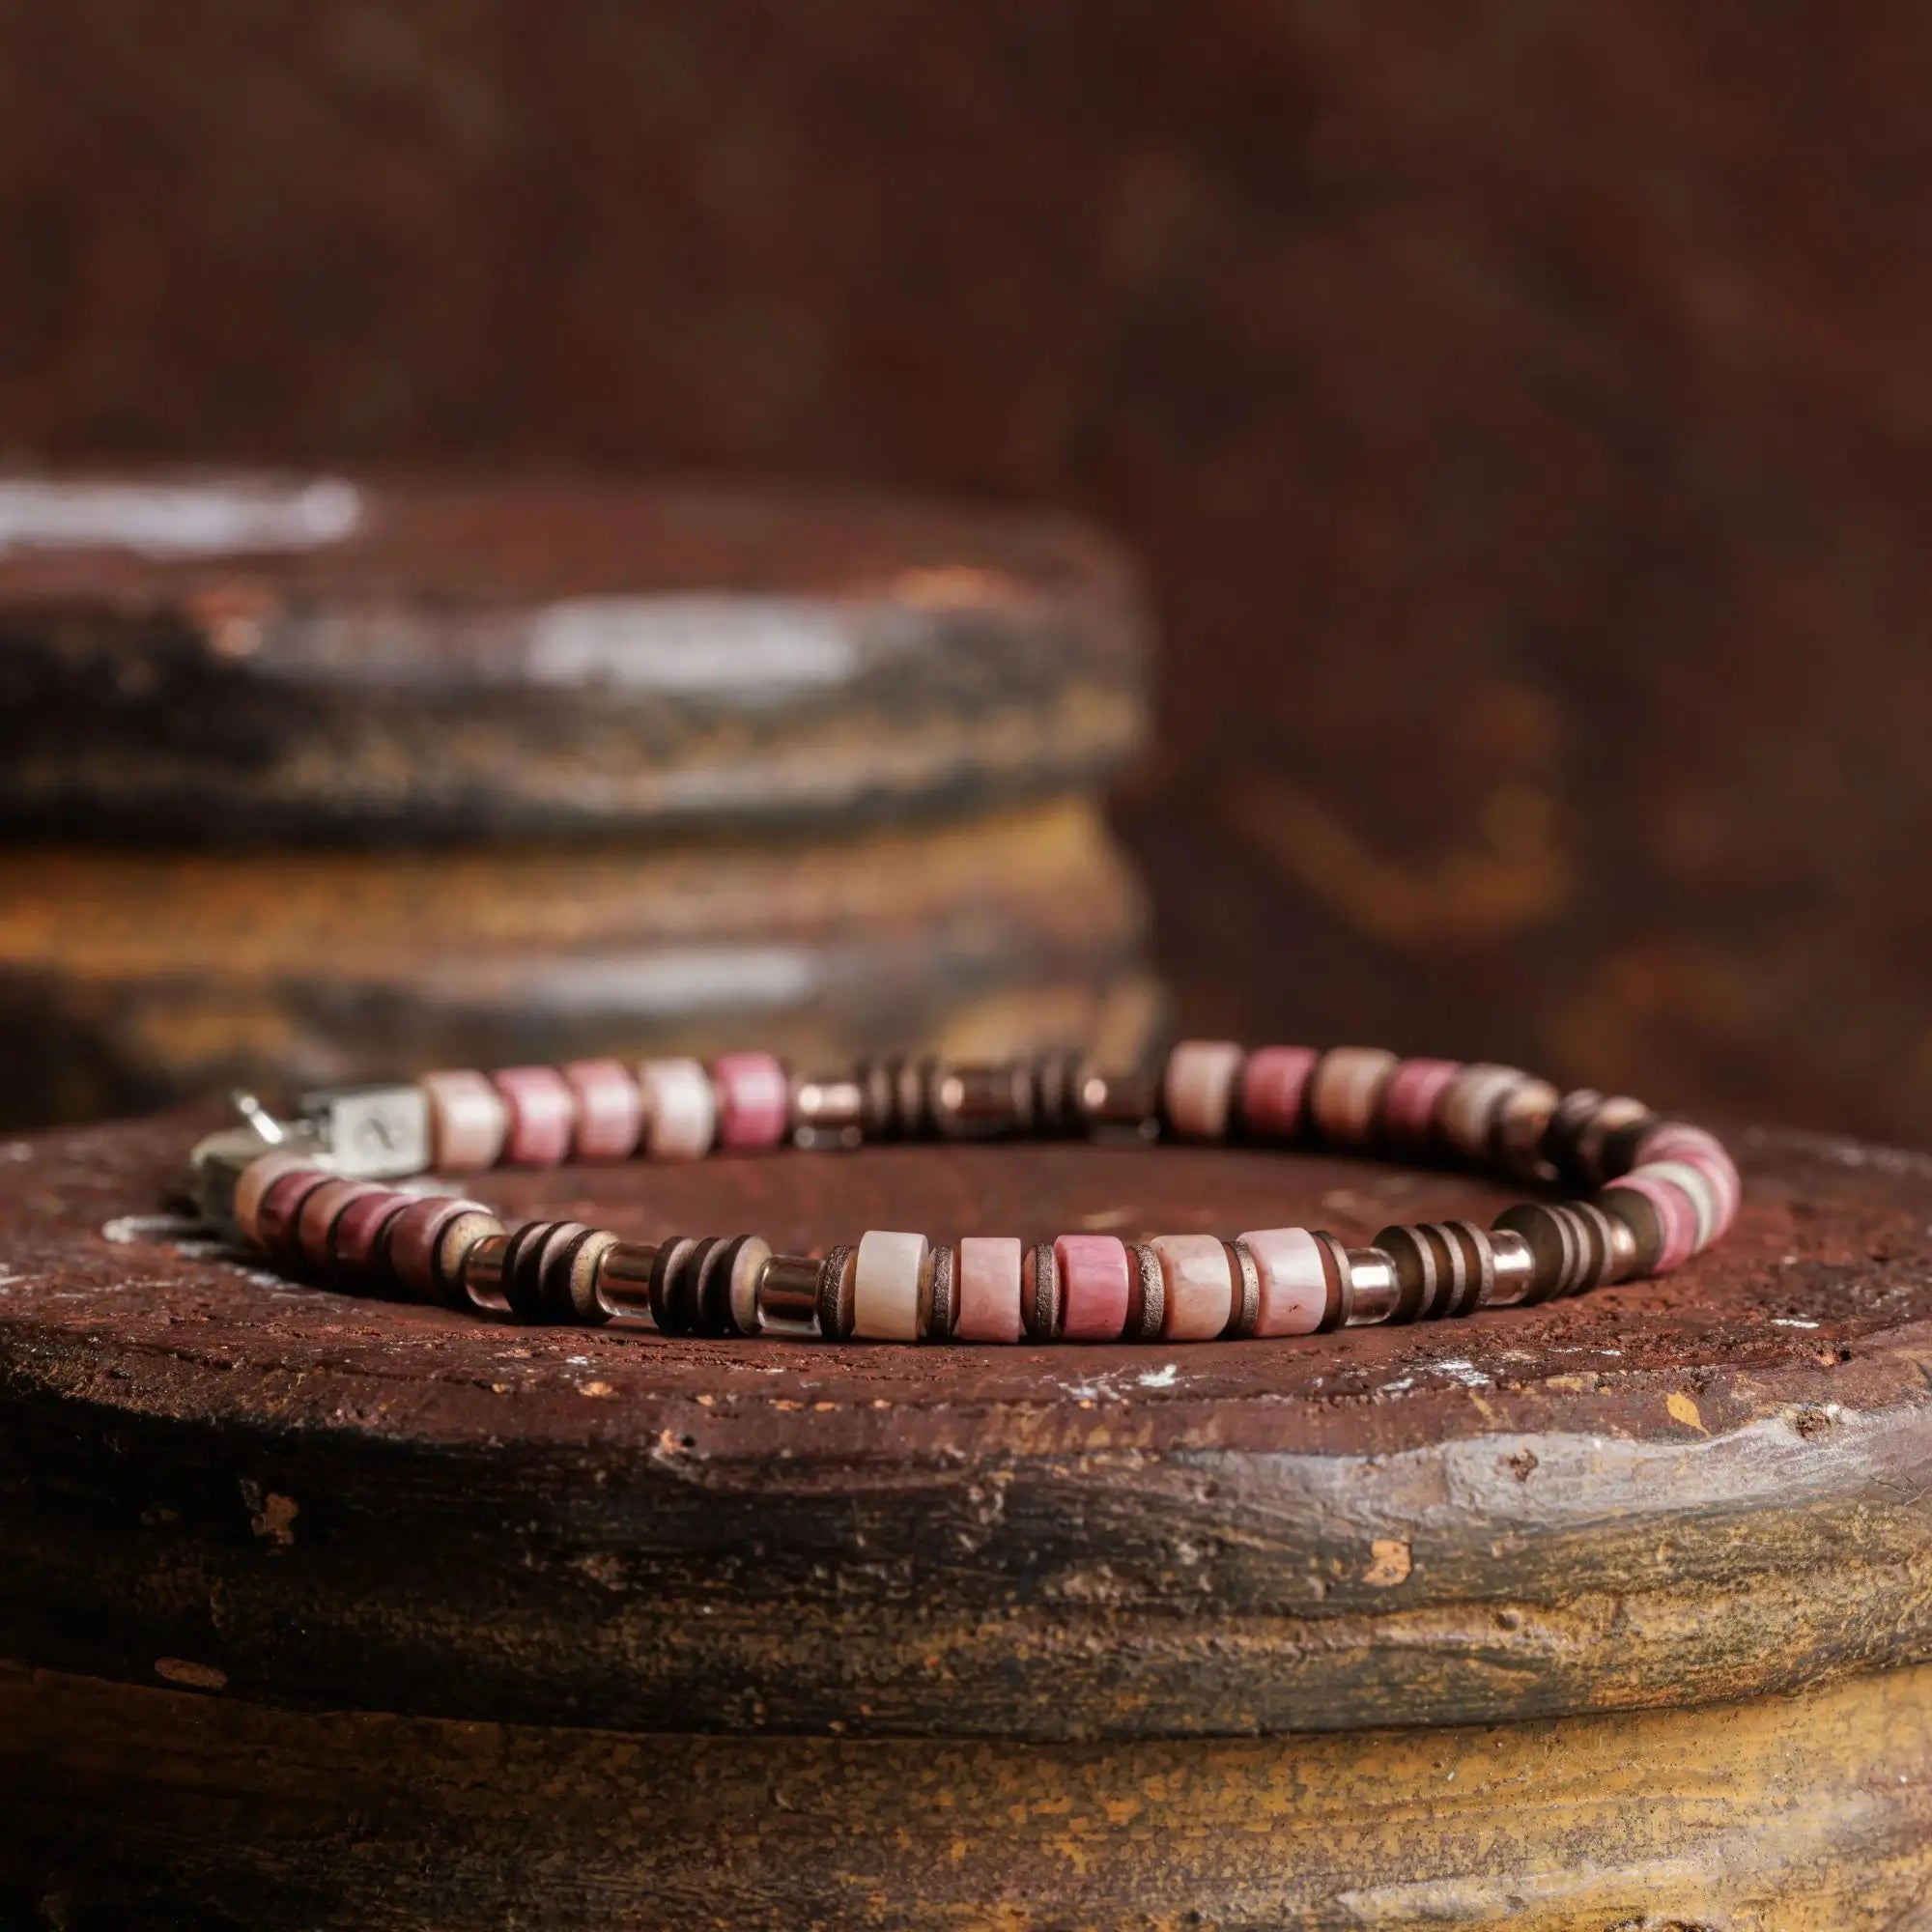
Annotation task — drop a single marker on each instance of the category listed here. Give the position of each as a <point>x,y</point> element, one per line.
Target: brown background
<point>1524,412</point>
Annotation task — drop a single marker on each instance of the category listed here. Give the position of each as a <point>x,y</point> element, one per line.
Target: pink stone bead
<point>610,1109</point>
<point>1274,1084</point>
<point>542,1114</point>
<point>414,1236</point>
<point>1675,1139</point>
<point>1344,1093</point>
<point>467,1120</point>
<point>1410,1101</point>
<point>1679,1218</point>
<point>1200,1286</point>
<point>1199,1088</point>
<point>988,1284</point>
<point>1295,1280</point>
<point>1092,1287</point>
<point>1468,1103</point>
<point>682,1109</point>
<point>361,1232</point>
<point>754,1099</point>
<point>317,1221</point>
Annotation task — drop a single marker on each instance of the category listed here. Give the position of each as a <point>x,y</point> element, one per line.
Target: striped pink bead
<point>610,1109</point>
<point>1674,1211</point>
<point>754,1099</point>
<point>257,1178</point>
<point>414,1236</point>
<point>1295,1281</point>
<point>541,1115</point>
<point>1411,1097</point>
<point>1274,1085</point>
<point>319,1215</point>
<point>987,1283</point>
<point>1092,1287</point>
<point>467,1120</point>
<point>361,1234</point>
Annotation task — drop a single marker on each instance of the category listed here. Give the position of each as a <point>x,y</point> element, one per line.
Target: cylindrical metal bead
<point>624,1280</point>
<point>1514,1267</point>
<point>1247,1279</point>
<point>482,1279</point>
<point>827,1111</point>
<point>788,1294</point>
<point>1376,1291</point>
<point>982,1103</point>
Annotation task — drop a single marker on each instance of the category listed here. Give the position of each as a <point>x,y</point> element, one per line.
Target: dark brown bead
<point>716,1288</point>
<point>1040,1296</point>
<point>828,1111</point>
<point>1555,1243</point>
<point>707,1286</point>
<point>1246,1279</point>
<point>1415,1270</point>
<point>667,1306</point>
<point>1055,1095</point>
<point>1452,1272</point>
<point>1147,1296</point>
<point>1616,1152</point>
<point>573,1281</point>
<point>1340,1279</point>
<point>1640,1219</point>
<point>1559,1139</point>
<point>835,1295</point>
<point>1479,1267</point>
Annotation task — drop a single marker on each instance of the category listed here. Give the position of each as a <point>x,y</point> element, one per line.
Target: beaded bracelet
<point>311,1195</point>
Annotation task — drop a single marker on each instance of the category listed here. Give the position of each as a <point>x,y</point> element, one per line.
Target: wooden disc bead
<point>571,1278</point>
<point>667,1306</point>
<point>451,1258</point>
<point>1414,1261</point>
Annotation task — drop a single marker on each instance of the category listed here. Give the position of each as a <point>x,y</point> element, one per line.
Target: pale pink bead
<point>1199,1088</point>
<point>682,1109</point>
<point>1410,1101</point>
<point>610,1109</point>
<point>1274,1084</point>
<point>1344,1093</point>
<point>988,1284</point>
<point>1200,1286</point>
<point>255,1181</point>
<point>1674,1211</point>
<point>542,1114</point>
<point>887,1277</point>
<point>754,1099</point>
<point>1092,1287</point>
<point>1675,1139</point>
<point>1295,1280</point>
<point>467,1118</point>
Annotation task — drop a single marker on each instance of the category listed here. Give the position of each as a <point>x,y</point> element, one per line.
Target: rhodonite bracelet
<point>319,1195</point>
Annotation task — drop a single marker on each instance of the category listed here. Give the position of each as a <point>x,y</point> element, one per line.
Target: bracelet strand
<point>318,1197</point>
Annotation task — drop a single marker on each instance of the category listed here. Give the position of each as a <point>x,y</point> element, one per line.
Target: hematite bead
<point>982,1103</point>
<point>1121,1104</point>
<point>1246,1282</point>
<point>828,1110</point>
<point>835,1293</point>
<point>624,1273</point>
<point>1376,1291</point>
<point>788,1294</point>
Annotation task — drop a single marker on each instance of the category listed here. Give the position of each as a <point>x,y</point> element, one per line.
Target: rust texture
<point>1704,1488</point>
<point>1522,414</point>
<point>303,1599</point>
<point>193,1810</point>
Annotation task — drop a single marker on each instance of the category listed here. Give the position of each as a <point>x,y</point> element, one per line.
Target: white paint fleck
<point>124,1229</point>
<point>1791,1321</point>
<point>1163,1378</point>
<point>1465,1373</point>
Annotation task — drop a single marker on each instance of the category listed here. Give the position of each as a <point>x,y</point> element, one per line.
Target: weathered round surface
<point>240,658</point>
<point>1664,1493</point>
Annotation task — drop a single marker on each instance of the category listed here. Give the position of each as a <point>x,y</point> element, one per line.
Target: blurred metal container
<point>305,779</point>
